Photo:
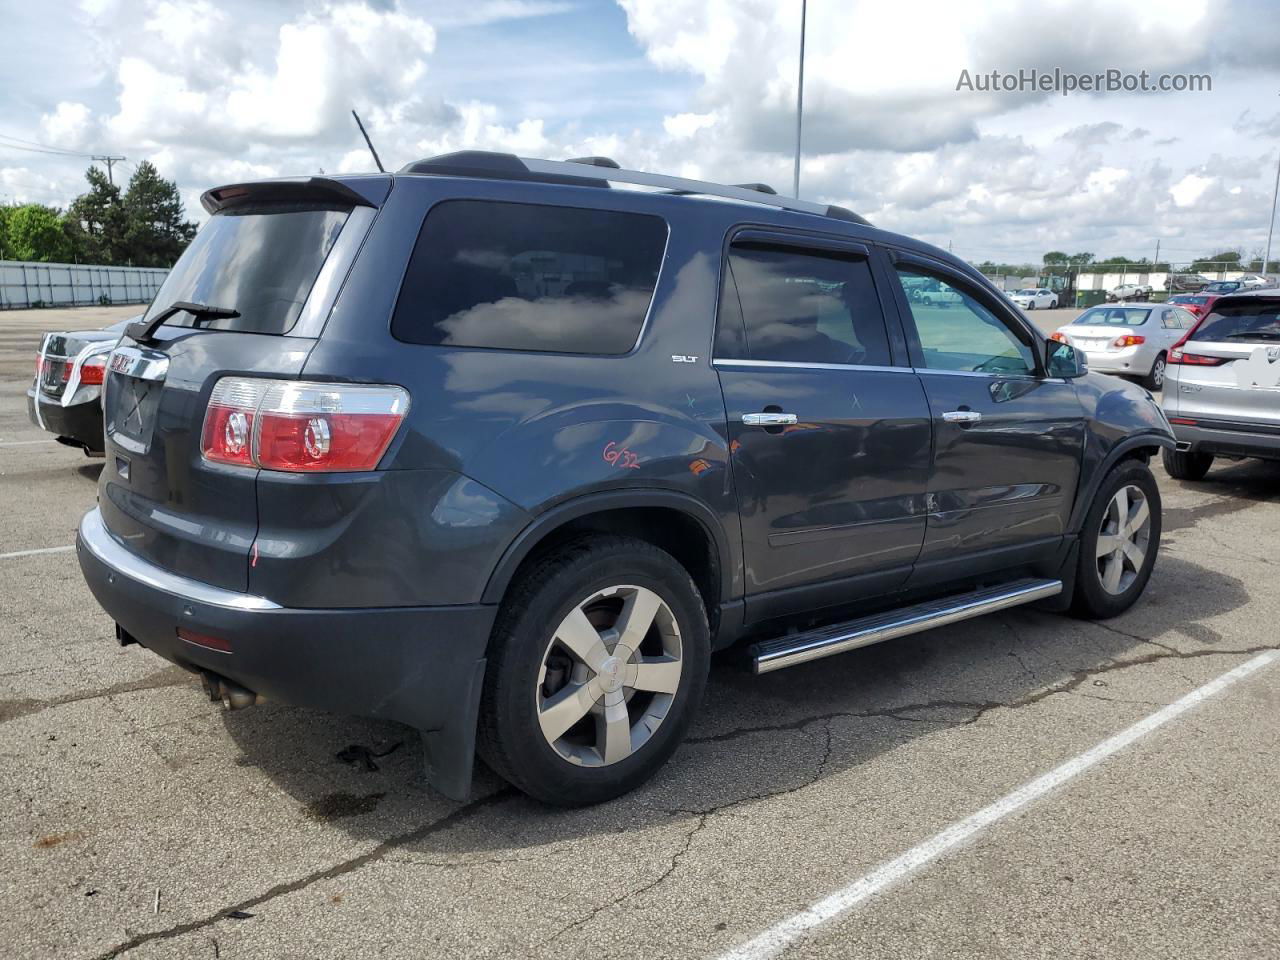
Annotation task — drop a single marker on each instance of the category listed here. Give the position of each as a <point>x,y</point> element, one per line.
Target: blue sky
<point>217,92</point>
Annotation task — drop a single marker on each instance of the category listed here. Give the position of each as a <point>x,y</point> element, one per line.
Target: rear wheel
<point>598,662</point>
<point>1185,465</point>
<point>1119,543</point>
<point>1155,379</point>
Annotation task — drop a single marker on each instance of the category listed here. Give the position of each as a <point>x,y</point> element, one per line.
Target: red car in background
<point>1199,305</point>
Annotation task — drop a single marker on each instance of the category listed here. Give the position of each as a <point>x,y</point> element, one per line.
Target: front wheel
<point>1186,465</point>
<point>597,664</point>
<point>1119,543</point>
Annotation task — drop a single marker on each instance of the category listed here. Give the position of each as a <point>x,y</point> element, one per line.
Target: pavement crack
<point>168,677</point>
<point>450,820</point>
<point>671,867</point>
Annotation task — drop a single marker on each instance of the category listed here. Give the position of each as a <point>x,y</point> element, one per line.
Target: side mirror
<point>1064,360</point>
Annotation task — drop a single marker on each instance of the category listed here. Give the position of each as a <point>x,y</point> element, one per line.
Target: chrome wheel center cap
<point>611,674</point>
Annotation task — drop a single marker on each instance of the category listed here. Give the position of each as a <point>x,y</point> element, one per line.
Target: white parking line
<point>32,553</point>
<point>781,935</point>
<point>23,443</point>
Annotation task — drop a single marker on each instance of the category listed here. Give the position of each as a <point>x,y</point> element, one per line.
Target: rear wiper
<point>144,330</point>
<point>1243,334</point>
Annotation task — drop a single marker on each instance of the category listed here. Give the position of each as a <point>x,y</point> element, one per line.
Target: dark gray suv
<point>503,449</point>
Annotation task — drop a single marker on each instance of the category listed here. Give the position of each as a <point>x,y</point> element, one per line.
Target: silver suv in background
<point>1222,389</point>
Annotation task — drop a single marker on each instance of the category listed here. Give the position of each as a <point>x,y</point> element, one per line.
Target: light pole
<point>1271,224</point>
<point>804,4</point>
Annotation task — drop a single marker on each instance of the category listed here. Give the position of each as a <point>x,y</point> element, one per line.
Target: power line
<point>18,143</point>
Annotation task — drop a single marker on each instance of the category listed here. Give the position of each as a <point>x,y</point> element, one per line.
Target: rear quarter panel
<point>533,430</point>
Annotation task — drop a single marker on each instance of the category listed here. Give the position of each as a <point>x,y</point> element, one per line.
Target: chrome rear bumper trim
<point>95,538</point>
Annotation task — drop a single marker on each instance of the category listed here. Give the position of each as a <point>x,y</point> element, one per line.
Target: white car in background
<point>1255,281</point>
<point>1129,291</point>
<point>1131,341</point>
<point>1033,299</point>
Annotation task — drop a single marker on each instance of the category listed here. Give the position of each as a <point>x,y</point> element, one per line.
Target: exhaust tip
<point>231,695</point>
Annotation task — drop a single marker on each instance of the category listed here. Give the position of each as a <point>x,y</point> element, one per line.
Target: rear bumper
<point>422,666</point>
<point>1237,440</point>
<point>81,422</point>
<point>1128,363</point>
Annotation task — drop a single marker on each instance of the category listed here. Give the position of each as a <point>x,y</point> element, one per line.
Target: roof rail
<point>762,187</point>
<point>598,172</point>
<point>596,162</point>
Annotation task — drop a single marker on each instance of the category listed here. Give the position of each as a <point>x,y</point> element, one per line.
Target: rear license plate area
<point>131,411</point>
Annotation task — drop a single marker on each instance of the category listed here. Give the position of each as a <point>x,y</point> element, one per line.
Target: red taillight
<point>39,365</point>
<point>1128,340</point>
<point>1060,337</point>
<point>204,640</point>
<point>1182,420</point>
<point>1178,355</point>
<point>93,370</point>
<point>301,426</point>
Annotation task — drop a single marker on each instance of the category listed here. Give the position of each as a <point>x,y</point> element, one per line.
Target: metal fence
<point>24,284</point>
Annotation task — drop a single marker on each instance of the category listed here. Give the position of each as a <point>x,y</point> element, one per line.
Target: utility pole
<point>110,162</point>
<point>1271,226</point>
<point>804,5</point>
<point>1155,264</point>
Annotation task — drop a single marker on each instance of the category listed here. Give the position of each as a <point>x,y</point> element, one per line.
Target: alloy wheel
<point>609,676</point>
<point>1123,539</point>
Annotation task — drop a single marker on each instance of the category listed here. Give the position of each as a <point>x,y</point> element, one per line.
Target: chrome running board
<point>770,655</point>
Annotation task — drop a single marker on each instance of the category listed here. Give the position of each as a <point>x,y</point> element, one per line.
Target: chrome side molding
<point>770,655</point>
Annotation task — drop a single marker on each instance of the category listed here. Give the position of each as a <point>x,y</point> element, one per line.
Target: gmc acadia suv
<point>503,449</point>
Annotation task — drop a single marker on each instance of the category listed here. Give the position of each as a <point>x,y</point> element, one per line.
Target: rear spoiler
<point>357,192</point>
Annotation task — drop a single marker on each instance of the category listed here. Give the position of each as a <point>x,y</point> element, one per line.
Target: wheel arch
<point>680,524</point>
<point>1141,447</point>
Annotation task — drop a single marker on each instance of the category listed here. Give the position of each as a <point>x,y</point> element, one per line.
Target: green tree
<point>34,232</point>
<point>97,221</point>
<point>1056,258</point>
<point>5,210</point>
<point>1222,260</point>
<point>155,229</point>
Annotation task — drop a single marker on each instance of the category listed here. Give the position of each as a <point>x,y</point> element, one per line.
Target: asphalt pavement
<point>139,820</point>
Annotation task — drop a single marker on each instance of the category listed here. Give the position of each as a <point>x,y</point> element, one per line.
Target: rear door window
<point>798,306</point>
<point>258,259</point>
<point>516,276</point>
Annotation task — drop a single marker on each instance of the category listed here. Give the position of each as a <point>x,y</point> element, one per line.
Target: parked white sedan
<point>1131,341</point>
<point>1032,299</point>
<point>1255,281</point>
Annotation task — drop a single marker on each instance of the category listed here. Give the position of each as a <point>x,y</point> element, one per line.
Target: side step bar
<point>770,655</point>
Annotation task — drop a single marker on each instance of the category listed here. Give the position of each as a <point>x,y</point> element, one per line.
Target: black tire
<point>1154,380</point>
<point>1091,599</point>
<point>1186,465</point>
<point>510,738</point>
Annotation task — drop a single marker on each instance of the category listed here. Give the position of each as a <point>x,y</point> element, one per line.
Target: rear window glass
<point>517,276</point>
<point>1188,298</point>
<point>1258,322</point>
<point>260,260</point>
<point>1115,316</point>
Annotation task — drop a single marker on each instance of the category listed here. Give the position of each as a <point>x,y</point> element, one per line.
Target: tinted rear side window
<point>517,276</point>
<point>261,260</point>
<point>801,307</point>
<point>1256,322</point>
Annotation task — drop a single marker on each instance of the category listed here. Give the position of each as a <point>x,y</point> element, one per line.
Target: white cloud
<point>1189,189</point>
<point>69,127</point>
<point>226,90</point>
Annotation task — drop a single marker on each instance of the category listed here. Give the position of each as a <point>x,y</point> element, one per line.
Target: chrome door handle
<point>962,416</point>
<point>768,419</point>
